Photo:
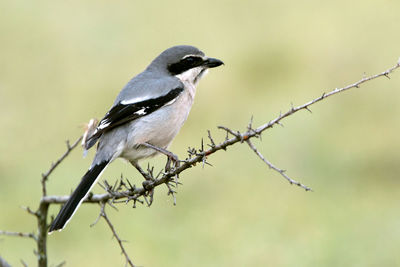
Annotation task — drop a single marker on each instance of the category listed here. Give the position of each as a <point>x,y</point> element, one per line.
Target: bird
<point>146,116</point>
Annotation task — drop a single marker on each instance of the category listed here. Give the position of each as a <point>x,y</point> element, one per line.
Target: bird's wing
<point>132,104</point>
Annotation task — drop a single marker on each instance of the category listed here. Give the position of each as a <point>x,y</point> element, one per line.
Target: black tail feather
<point>77,197</point>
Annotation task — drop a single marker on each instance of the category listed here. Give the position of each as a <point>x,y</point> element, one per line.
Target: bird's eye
<point>185,64</point>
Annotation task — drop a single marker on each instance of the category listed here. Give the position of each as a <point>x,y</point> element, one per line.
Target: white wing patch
<point>103,124</point>
<point>171,102</point>
<point>141,111</point>
<point>134,100</point>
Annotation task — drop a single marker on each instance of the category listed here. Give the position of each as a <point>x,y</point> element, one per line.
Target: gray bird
<point>147,114</point>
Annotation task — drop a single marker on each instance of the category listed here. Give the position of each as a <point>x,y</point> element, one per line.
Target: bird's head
<point>184,62</point>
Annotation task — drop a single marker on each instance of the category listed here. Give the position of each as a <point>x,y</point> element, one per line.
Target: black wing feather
<point>123,113</point>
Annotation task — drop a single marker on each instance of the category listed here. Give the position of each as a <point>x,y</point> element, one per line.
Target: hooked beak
<point>212,62</point>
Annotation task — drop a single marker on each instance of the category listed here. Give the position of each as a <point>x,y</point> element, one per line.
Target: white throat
<point>192,76</point>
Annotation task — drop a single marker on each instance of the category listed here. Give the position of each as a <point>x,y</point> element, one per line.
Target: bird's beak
<point>212,62</point>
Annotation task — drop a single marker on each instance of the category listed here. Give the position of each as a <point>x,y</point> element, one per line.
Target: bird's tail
<point>73,203</point>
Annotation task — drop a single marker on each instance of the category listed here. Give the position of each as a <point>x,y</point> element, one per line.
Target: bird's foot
<point>172,158</point>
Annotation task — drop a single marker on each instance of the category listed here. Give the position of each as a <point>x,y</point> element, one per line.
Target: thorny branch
<point>124,191</point>
<point>54,165</point>
<point>323,96</point>
<point>41,213</point>
<point>271,166</point>
<point>200,155</point>
<point>111,226</point>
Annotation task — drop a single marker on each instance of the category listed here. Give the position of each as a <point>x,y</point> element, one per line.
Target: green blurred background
<point>63,63</point>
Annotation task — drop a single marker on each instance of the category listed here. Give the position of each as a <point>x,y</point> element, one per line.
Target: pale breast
<point>158,128</point>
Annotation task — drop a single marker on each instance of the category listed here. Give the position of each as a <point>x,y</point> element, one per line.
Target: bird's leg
<point>141,171</point>
<point>171,156</point>
<point>148,178</point>
<point>168,164</point>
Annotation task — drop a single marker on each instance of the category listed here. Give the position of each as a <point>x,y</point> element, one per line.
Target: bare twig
<point>123,251</point>
<point>54,165</point>
<point>18,234</point>
<point>326,95</point>
<point>31,212</point>
<point>271,166</point>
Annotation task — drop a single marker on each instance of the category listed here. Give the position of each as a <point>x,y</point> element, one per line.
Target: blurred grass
<point>63,63</point>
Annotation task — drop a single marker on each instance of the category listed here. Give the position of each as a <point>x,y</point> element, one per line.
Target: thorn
<point>212,145</point>
<point>236,134</point>
<point>364,75</point>
<point>250,125</point>
<point>171,192</point>
<point>204,160</point>
<point>309,110</point>
<point>131,188</point>
<point>147,202</point>
<point>159,173</point>
<point>115,185</point>
<point>102,186</point>
<point>209,164</point>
